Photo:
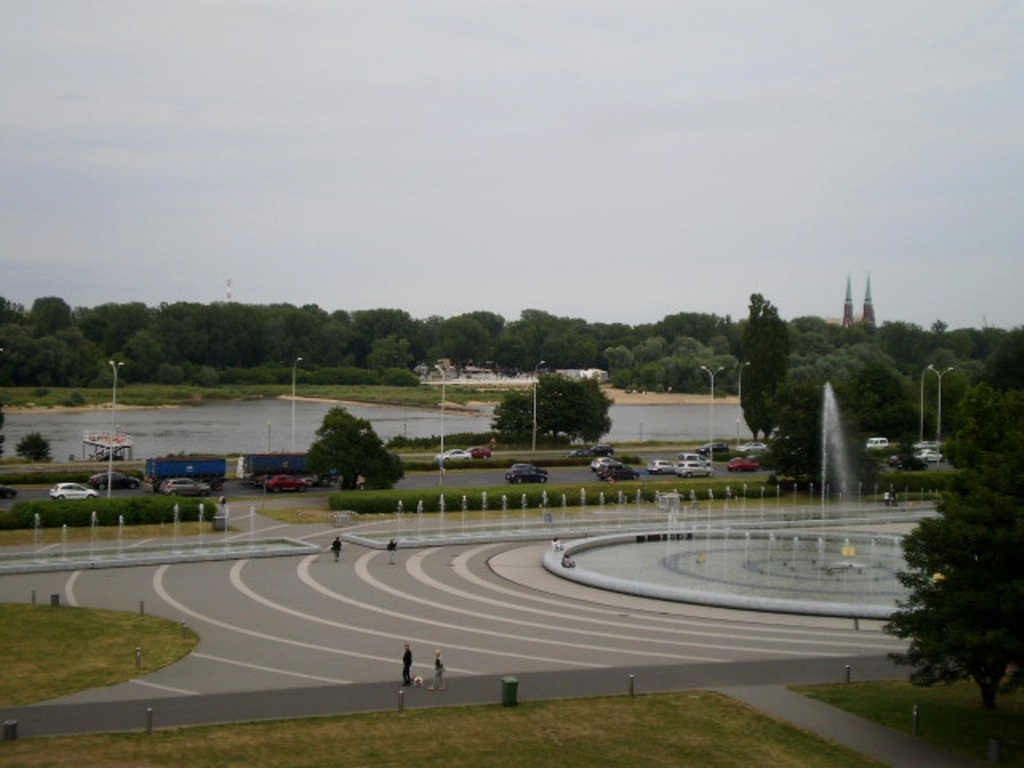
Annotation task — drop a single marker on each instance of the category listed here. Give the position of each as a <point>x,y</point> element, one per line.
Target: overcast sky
<point>614,161</point>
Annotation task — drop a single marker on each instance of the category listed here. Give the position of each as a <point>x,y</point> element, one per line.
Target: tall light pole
<point>440,461</point>
<point>920,435</point>
<point>711,410</point>
<point>110,440</point>
<point>294,366</point>
<point>938,415</point>
<point>739,394</point>
<point>533,444</point>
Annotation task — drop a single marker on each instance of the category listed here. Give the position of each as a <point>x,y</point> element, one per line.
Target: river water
<point>257,426</point>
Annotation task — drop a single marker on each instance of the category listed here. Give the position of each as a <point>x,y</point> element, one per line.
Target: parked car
<point>693,457</point>
<point>278,483</point>
<point>926,444</point>
<point>877,442</point>
<point>714,447</point>
<point>579,453</point>
<point>929,455</point>
<point>7,492</point>
<point>694,469</point>
<point>602,450</point>
<point>117,480</point>
<point>617,471</point>
<point>754,446</point>
<point>526,473</point>
<point>71,491</point>
<point>184,486</point>
<point>455,454</point>
<point>908,463</point>
<point>743,464</point>
<point>480,452</point>
<point>661,467</point>
<point>601,461</point>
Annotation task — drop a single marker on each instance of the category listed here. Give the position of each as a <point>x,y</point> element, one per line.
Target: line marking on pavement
<point>415,569</point>
<point>261,668</point>
<point>158,586</point>
<point>69,588</point>
<point>308,579</point>
<point>169,689</point>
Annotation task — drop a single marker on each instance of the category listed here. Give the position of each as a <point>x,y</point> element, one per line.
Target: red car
<point>480,452</point>
<point>284,483</point>
<point>743,464</point>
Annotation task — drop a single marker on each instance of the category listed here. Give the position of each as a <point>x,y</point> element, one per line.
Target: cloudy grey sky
<point>615,161</point>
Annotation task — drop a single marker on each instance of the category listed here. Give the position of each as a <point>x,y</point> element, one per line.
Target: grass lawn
<point>691,728</point>
<point>950,716</point>
<point>50,652</point>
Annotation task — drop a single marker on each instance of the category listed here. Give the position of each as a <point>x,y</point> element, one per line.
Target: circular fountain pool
<point>827,573</point>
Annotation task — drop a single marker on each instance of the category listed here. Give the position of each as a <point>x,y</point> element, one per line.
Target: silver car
<point>71,491</point>
<point>694,469</point>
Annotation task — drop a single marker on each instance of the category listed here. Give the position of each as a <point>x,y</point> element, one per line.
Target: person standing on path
<point>407,666</point>
<point>392,548</point>
<point>336,548</point>
<point>437,684</point>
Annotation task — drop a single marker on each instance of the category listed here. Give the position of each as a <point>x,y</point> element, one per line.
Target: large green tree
<point>964,616</point>
<point>766,348</point>
<point>349,446</point>
<point>573,408</point>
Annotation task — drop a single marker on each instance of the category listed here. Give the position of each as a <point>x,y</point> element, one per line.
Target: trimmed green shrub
<point>137,510</point>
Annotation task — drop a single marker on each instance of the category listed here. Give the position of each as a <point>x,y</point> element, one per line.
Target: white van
<point>877,442</point>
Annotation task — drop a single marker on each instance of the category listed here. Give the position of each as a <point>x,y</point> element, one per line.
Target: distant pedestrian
<point>336,548</point>
<point>392,548</point>
<point>438,682</point>
<point>407,666</point>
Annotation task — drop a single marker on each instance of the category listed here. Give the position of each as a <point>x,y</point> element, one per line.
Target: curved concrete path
<point>305,635</point>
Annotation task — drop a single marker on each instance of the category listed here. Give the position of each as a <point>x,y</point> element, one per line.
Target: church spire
<point>869,307</point>
<point>848,306</point>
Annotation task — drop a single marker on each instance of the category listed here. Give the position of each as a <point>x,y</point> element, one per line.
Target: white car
<point>600,462</point>
<point>755,446</point>
<point>877,442</point>
<point>71,491</point>
<point>694,469</point>
<point>930,455</point>
<point>455,454</point>
<point>661,467</point>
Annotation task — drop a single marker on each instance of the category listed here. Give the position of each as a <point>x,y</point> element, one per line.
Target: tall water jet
<point>835,457</point>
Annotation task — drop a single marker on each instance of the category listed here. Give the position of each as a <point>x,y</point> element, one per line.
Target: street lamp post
<point>711,410</point>
<point>739,394</point>
<point>938,415</point>
<point>533,444</point>
<point>440,462</point>
<point>110,440</point>
<point>920,435</point>
<point>294,366</point>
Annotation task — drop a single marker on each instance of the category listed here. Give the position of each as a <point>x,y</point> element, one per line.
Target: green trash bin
<point>509,690</point>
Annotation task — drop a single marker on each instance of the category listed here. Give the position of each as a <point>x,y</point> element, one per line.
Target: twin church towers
<point>868,316</point>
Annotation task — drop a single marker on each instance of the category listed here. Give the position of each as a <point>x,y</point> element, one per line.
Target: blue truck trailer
<point>254,468</point>
<point>209,470</point>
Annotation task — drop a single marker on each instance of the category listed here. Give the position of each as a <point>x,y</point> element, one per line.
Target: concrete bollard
<point>401,702</point>
<point>33,597</point>
<point>142,607</point>
<point>54,600</point>
<point>914,721</point>
<point>632,685</point>
<point>10,730</point>
<point>149,719</point>
<point>138,658</point>
<point>184,630</point>
<point>995,751</point>
<point>847,674</point>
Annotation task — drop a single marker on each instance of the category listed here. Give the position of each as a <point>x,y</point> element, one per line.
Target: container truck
<point>254,468</point>
<point>209,470</point>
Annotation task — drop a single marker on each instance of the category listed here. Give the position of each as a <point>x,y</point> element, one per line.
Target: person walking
<point>438,682</point>
<point>392,548</point>
<point>336,548</point>
<point>407,666</point>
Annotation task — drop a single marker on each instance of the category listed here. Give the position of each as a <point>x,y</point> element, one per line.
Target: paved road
<point>303,635</point>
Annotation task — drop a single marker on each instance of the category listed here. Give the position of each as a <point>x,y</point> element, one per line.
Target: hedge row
<point>139,510</point>
<point>52,478</point>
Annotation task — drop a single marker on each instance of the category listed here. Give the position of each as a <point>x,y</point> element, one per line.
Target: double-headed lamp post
<point>533,444</point>
<point>294,366</point>
<point>711,412</point>
<point>920,434</point>
<point>938,415</point>
<point>440,461</point>
<point>110,440</point>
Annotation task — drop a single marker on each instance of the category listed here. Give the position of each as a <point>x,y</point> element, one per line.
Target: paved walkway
<point>290,637</point>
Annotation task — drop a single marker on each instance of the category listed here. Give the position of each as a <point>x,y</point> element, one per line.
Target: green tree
<point>350,447</point>
<point>1,429</point>
<point>796,446</point>
<point>389,352</point>
<point>876,400</point>
<point>513,416</point>
<point>33,447</point>
<point>766,348</point>
<point>576,409</point>
<point>965,613</point>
